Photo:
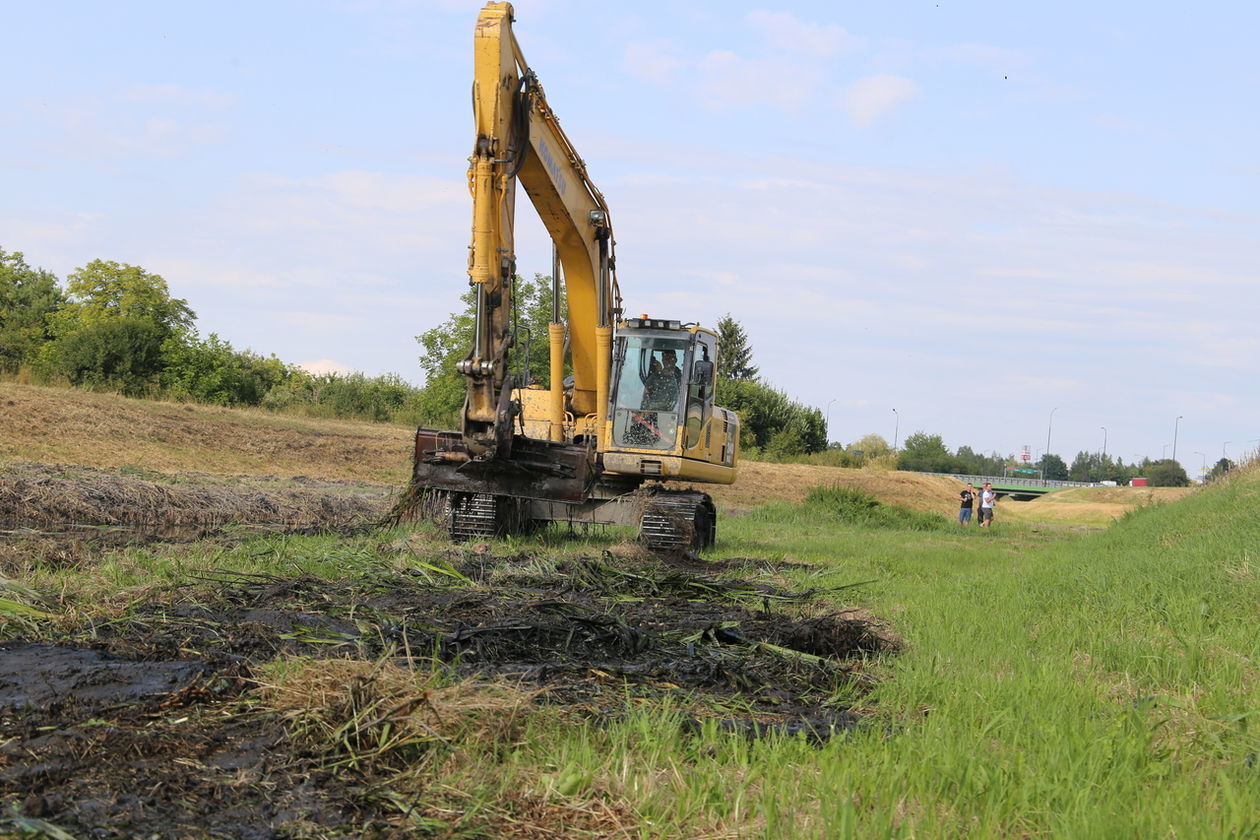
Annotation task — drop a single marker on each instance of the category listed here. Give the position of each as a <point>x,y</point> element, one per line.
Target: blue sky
<point>976,213</point>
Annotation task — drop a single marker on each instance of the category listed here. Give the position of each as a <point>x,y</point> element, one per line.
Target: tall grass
<point>1095,686</point>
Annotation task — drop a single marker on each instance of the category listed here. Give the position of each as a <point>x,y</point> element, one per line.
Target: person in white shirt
<point>987,499</point>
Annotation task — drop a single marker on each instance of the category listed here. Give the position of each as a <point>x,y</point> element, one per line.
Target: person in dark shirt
<point>663,384</point>
<point>967,500</point>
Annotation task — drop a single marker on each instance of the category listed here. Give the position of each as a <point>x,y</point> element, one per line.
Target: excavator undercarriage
<point>546,482</point>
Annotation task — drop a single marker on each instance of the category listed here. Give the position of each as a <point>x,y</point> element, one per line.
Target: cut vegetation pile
<point>43,501</point>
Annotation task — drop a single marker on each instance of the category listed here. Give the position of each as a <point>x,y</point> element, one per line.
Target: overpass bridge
<point>1018,488</point>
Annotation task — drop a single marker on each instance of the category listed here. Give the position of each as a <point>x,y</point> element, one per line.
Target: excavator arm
<point>519,139</point>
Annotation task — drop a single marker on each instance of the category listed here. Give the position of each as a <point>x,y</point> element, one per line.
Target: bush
<point>1167,473</point>
<point>858,507</point>
<point>211,371</point>
<point>386,398</point>
<point>770,422</point>
<point>123,354</point>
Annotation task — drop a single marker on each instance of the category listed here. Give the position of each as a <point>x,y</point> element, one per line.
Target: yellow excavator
<point>638,409</point>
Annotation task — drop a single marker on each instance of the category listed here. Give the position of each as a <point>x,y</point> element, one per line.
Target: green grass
<point>1052,683</point>
<point>1063,685</point>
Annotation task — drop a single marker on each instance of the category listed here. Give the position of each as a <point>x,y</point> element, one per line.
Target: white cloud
<point>322,366</point>
<point>653,61</point>
<point>997,59</point>
<point>730,80</point>
<point>172,94</point>
<point>869,100</point>
<point>785,31</point>
<point>323,322</point>
<point>141,120</point>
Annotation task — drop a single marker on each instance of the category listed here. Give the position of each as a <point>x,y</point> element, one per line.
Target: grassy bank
<point>1070,686</point>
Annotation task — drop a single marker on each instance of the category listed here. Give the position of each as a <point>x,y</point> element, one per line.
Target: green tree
<point>765,413</point>
<point>28,296</point>
<point>734,351</point>
<point>1220,468</point>
<point>105,290</point>
<point>926,453</point>
<point>1053,468</point>
<point>970,462</point>
<point>210,370</point>
<point>1167,473</point>
<point>1089,466</point>
<point>871,446</point>
<point>446,344</point>
<point>113,326</point>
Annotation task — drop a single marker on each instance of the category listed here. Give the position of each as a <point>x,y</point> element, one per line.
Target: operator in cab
<point>663,384</point>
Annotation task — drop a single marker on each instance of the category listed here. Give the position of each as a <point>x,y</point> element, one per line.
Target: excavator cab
<point>649,390</point>
<point>663,420</point>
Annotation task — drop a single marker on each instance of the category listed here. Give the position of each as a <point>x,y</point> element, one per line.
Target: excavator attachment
<point>535,469</point>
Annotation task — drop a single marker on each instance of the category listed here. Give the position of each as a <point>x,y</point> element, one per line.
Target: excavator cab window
<point>649,391</point>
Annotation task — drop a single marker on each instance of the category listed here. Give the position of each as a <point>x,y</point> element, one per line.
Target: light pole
<point>1175,425</point>
<point>833,399</point>
<point>896,430</point>
<point>1049,426</point>
<point>1104,455</point>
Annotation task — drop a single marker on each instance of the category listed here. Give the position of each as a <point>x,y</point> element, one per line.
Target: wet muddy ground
<point>151,723</point>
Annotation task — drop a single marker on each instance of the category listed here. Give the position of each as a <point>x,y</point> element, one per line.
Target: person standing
<point>987,499</point>
<point>967,500</point>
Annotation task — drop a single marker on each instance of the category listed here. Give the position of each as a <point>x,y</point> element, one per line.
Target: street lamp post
<point>896,430</point>
<point>1104,454</point>
<point>833,399</point>
<point>1175,425</point>
<point>1049,426</point>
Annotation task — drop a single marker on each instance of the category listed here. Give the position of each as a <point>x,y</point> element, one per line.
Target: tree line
<point>114,326</point>
<point>927,453</point>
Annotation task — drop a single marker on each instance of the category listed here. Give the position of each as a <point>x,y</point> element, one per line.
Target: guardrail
<point>1007,481</point>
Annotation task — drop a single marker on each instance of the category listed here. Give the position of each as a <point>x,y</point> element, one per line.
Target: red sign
<point>1026,456</point>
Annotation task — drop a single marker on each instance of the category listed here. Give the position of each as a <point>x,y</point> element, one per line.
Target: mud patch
<point>150,723</point>
<point>60,680</point>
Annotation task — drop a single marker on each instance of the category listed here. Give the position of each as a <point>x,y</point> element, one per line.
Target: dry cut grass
<point>437,752</point>
<point>62,426</point>
<point>760,483</point>
<point>1090,505</point>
